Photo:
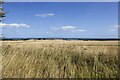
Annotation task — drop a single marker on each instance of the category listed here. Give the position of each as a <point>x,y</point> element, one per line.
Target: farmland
<point>59,59</point>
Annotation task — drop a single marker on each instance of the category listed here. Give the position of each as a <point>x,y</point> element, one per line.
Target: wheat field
<point>59,59</point>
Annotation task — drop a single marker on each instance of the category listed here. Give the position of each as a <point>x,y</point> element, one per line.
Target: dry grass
<point>60,59</point>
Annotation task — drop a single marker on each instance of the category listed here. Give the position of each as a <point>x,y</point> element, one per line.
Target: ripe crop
<point>59,59</point>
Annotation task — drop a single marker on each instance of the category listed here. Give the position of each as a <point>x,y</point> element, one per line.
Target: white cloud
<point>16,25</point>
<point>88,13</point>
<point>17,31</point>
<point>115,28</point>
<point>68,28</point>
<point>45,15</point>
<point>80,30</point>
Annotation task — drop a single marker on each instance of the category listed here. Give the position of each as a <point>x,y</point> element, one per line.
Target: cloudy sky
<point>60,19</point>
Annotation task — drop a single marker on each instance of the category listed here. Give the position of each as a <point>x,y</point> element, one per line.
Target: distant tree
<point>2,13</point>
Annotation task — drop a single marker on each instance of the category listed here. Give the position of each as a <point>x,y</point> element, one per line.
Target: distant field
<point>59,59</point>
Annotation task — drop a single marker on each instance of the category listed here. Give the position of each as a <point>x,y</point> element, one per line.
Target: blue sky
<point>61,19</point>
<point>61,0</point>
